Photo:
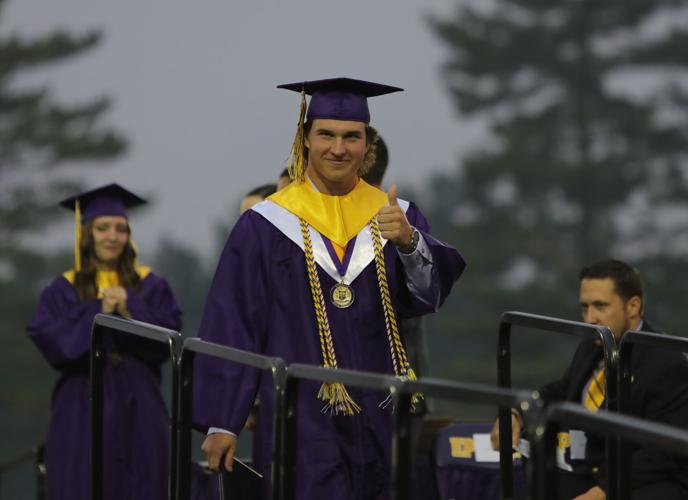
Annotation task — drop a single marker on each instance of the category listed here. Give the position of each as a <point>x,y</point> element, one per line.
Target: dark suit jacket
<point>659,393</point>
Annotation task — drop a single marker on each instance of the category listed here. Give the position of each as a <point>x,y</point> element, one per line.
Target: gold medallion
<point>342,295</point>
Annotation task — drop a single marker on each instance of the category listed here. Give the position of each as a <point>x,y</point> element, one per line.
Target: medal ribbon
<point>342,265</point>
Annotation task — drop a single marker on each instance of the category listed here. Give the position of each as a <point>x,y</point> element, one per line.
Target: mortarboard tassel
<point>77,236</point>
<point>297,167</point>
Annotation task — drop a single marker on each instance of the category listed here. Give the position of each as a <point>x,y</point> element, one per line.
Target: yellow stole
<point>339,218</point>
<point>107,279</point>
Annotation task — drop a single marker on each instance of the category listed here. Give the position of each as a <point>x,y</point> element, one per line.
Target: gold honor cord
<point>336,397</point>
<point>402,367</point>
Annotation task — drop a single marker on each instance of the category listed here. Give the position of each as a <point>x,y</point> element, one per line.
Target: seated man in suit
<point>611,294</point>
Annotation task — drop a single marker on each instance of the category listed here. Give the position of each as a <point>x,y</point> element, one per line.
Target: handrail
<point>630,339</point>
<point>35,454</point>
<point>602,422</point>
<point>402,392</point>
<point>566,327</point>
<point>104,324</point>
<point>190,349</point>
<point>288,421</point>
<point>402,477</point>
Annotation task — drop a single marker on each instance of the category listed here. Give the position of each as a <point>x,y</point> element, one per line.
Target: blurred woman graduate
<point>106,279</point>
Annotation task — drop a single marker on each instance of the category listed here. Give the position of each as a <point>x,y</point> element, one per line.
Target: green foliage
<point>578,168</point>
<point>37,135</point>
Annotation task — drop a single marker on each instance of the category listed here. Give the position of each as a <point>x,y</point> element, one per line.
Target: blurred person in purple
<point>256,195</point>
<point>107,279</point>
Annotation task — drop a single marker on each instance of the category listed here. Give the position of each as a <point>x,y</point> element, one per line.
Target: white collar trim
<point>288,224</point>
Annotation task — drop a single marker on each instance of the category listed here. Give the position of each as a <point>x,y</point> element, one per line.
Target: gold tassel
<point>337,400</point>
<point>402,367</point>
<point>417,396</point>
<point>135,246</point>
<point>77,236</point>
<point>297,164</point>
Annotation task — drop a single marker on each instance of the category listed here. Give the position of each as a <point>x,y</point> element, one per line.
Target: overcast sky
<point>193,85</point>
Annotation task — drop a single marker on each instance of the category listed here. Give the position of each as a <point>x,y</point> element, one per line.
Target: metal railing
<point>191,348</point>
<point>539,421</point>
<point>402,391</point>
<point>103,326</point>
<point>603,422</point>
<point>554,325</point>
<point>402,474</point>
<point>630,339</point>
<point>35,455</point>
<point>286,484</point>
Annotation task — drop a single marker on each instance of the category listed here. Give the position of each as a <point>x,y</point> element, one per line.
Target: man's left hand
<point>392,221</point>
<point>594,493</point>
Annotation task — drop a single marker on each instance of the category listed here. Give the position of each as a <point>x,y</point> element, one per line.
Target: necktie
<point>595,394</point>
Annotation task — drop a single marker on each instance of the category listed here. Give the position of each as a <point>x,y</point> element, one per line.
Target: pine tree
<point>581,164</point>
<point>38,134</point>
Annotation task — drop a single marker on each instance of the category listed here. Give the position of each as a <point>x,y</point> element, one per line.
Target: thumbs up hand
<point>392,221</point>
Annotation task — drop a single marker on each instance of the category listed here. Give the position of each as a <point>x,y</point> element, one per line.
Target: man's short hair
<point>263,191</point>
<point>626,278</point>
<point>376,173</point>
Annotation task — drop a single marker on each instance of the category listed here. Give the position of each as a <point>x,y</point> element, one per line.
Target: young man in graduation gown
<point>319,273</point>
<point>106,279</point>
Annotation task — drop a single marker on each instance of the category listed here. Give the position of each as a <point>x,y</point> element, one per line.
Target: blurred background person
<point>376,173</point>
<point>106,279</point>
<point>284,180</point>
<point>411,328</point>
<point>256,195</point>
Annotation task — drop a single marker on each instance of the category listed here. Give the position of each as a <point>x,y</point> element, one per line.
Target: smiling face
<point>336,150</point>
<point>110,236</point>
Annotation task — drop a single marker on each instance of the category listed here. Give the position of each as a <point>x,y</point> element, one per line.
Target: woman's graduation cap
<point>334,99</point>
<point>111,199</point>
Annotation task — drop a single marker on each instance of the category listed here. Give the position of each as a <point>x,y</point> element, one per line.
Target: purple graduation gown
<point>136,426</point>
<point>260,301</point>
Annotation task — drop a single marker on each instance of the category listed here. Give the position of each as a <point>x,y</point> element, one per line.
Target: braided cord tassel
<point>296,163</point>
<point>337,399</point>
<point>402,367</point>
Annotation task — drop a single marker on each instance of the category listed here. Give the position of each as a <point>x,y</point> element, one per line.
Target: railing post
<point>504,380</point>
<point>289,436</point>
<point>187,359</point>
<point>97,366</point>
<point>556,325</point>
<point>279,378</point>
<point>643,432</point>
<point>101,324</point>
<point>627,345</point>
<point>402,447</point>
<point>183,434</point>
<point>40,472</point>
